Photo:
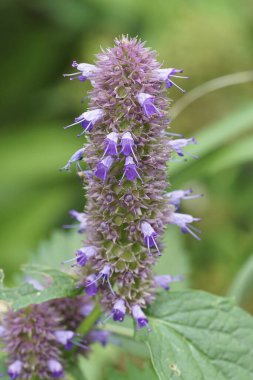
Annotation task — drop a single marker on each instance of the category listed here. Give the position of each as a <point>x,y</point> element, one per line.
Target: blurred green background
<point>209,39</point>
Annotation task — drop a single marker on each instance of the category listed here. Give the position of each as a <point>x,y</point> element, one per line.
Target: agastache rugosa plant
<point>127,152</point>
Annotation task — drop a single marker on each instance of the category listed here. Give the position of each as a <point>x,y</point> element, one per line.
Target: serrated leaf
<point>60,285</point>
<point>199,336</point>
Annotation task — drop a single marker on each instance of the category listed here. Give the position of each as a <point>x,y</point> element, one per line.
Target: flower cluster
<point>128,149</point>
<point>36,337</point>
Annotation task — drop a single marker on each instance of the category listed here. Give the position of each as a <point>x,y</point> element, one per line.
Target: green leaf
<point>242,285</point>
<point>61,246</point>
<point>145,372</point>
<point>199,336</point>
<point>60,285</point>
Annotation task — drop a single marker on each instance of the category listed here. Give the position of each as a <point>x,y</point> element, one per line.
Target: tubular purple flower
<point>166,74</point>
<point>64,337</point>
<point>178,144</point>
<point>84,73</point>
<point>140,317</point>
<point>55,368</point>
<point>87,308</point>
<point>148,104</point>
<point>182,220</point>
<point>91,287</point>
<point>82,255</point>
<point>149,236</point>
<point>176,196</point>
<point>111,143</point>
<point>130,170</point>
<point>81,218</point>
<point>127,143</point>
<point>2,330</point>
<point>87,120</point>
<point>165,280</point>
<point>100,336</point>
<point>105,275</point>
<point>103,167</point>
<point>15,369</point>
<point>119,310</point>
<point>77,156</point>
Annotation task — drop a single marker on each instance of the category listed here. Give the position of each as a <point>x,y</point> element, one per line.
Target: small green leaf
<point>59,284</point>
<point>199,336</point>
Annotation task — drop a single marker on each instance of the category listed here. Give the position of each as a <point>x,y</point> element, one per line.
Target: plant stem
<point>120,330</point>
<point>212,85</point>
<point>89,321</point>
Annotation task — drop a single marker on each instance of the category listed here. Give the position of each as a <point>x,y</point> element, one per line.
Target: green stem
<point>206,88</point>
<point>120,330</point>
<point>89,321</point>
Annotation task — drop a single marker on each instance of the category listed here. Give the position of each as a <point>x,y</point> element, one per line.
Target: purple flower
<point>130,170</point>
<point>104,274</point>
<point>166,74</point>
<point>77,156</point>
<point>100,336</point>
<point>104,167</point>
<point>178,144</point>
<point>83,255</point>
<point>176,196</point>
<point>87,120</point>
<point>87,308</point>
<point>127,143</point>
<point>119,310</point>
<point>149,236</point>
<point>91,285</point>
<point>81,218</point>
<point>140,317</point>
<point>85,71</point>
<point>148,104</point>
<point>164,280</point>
<point>182,220</point>
<point>2,330</point>
<point>55,368</point>
<point>111,142</point>
<point>15,369</point>
<point>64,337</point>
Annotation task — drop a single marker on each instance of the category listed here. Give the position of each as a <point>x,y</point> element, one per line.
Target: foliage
<point>57,285</point>
<point>196,335</point>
